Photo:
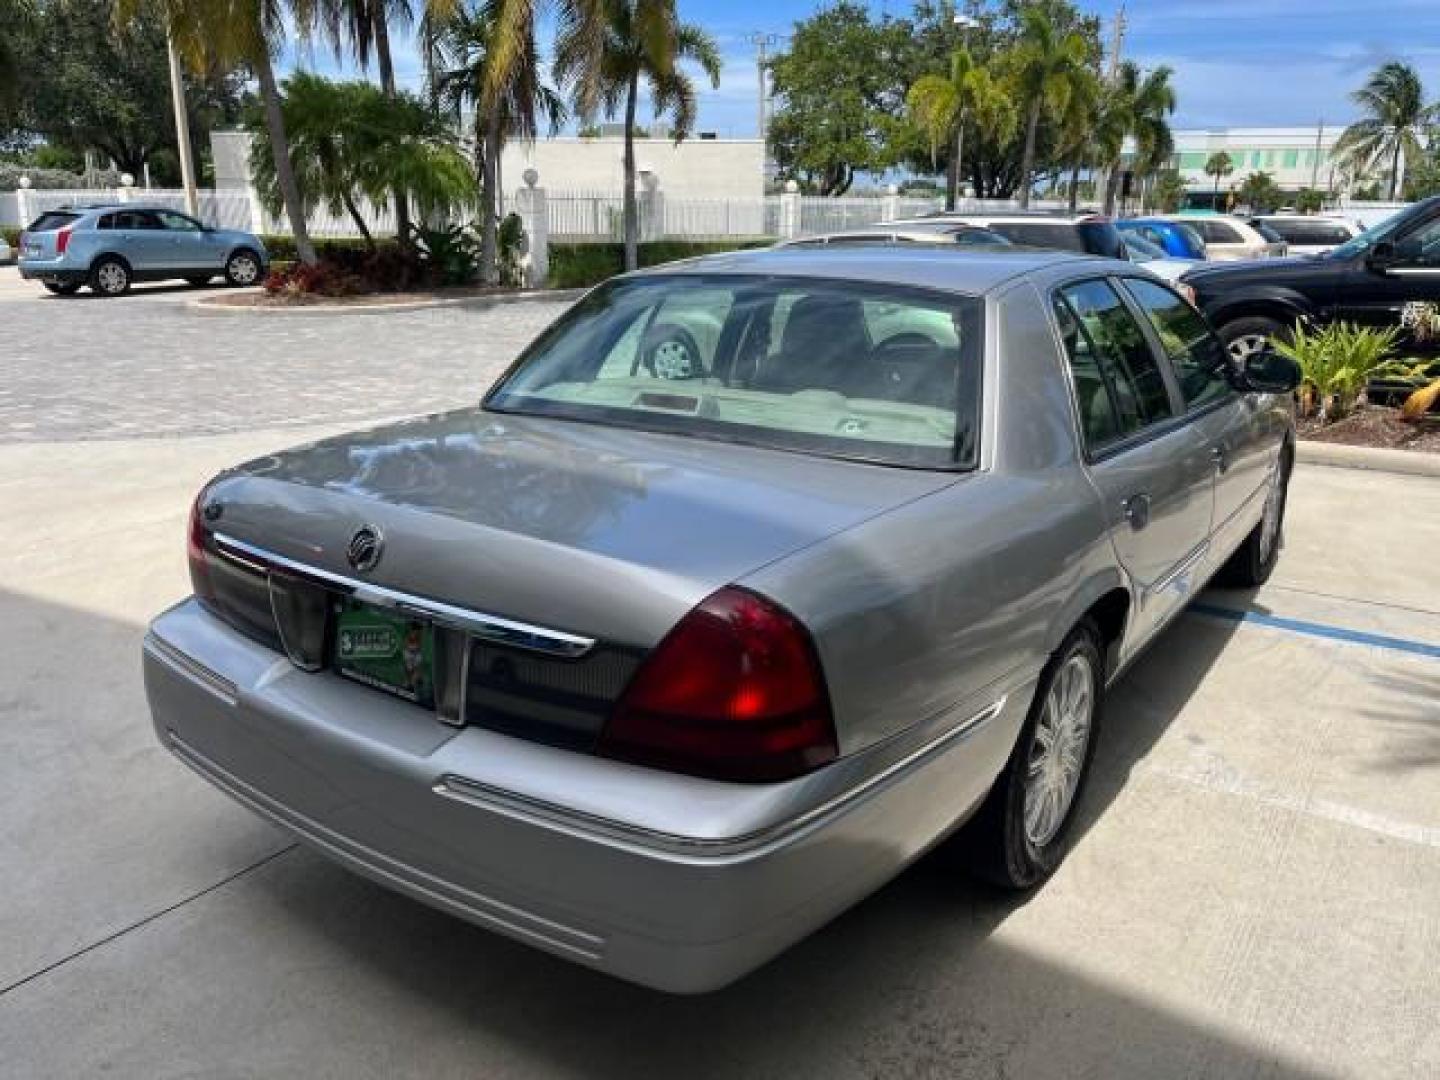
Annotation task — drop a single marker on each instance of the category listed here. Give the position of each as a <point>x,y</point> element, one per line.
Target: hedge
<point>12,236</point>
<point>574,266</point>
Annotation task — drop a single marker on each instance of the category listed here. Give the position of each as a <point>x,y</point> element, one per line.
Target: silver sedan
<point>749,582</point>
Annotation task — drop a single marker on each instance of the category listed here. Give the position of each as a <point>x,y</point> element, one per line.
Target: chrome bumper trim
<point>192,669</point>
<point>492,628</point>
<point>565,818</point>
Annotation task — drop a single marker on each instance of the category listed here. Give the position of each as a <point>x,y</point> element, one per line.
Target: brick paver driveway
<point>149,364</point>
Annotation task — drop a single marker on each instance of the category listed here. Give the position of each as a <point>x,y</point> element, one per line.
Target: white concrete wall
<point>695,169</point>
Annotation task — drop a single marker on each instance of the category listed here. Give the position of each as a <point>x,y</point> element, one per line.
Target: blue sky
<point>1238,62</point>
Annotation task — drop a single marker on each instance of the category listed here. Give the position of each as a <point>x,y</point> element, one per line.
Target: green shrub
<point>12,236</point>
<point>575,266</point>
<point>282,247</point>
<point>1335,364</point>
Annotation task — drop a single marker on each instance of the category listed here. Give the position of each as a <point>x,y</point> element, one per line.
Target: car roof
<point>1007,216</point>
<point>951,268</point>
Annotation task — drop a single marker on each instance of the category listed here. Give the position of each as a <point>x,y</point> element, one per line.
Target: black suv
<point>1367,281</point>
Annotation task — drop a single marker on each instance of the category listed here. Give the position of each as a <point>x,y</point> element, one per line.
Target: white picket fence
<point>572,216</point>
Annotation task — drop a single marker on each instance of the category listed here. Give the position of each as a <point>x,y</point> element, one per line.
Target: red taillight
<point>195,552</point>
<point>733,692</point>
<point>62,241</point>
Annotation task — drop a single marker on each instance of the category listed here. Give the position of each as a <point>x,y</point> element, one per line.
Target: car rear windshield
<point>1090,237</point>
<point>866,371</point>
<point>50,221</point>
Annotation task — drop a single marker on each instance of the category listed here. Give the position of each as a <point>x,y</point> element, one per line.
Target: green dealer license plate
<point>391,652</point>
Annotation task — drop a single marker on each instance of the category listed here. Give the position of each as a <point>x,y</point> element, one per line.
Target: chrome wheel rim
<point>243,270</point>
<point>1270,522</point>
<point>1247,345</point>
<point>672,360</point>
<point>1057,751</point>
<point>112,278</point>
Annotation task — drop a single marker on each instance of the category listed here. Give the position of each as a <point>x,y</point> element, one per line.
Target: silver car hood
<point>579,527</point>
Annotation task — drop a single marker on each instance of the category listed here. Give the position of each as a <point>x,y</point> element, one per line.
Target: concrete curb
<point>206,305</point>
<point>1376,459</point>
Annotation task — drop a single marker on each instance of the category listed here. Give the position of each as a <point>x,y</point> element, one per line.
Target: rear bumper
<point>445,815</point>
<point>56,271</point>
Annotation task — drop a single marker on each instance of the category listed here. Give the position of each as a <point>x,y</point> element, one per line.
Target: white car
<point>1156,259</point>
<point>1310,234</point>
<point>1228,238</point>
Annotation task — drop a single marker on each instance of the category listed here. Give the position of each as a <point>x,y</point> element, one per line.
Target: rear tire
<point>1242,337</point>
<point>1022,831</point>
<point>59,288</point>
<point>110,277</point>
<point>242,268</point>
<point>1255,559</point>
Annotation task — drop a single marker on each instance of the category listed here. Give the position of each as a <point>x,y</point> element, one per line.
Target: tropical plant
<point>943,105</point>
<point>1335,364</point>
<point>1135,105</point>
<point>226,33</point>
<point>1309,200</point>
<point>350,142</point>
<point>1047,63</point>
<point>462,53</point>
<point>1259,192</point>
<point>1219,166</point>
<point>1168,191</point>
<point>642,41</point>
<point>1396,126</point>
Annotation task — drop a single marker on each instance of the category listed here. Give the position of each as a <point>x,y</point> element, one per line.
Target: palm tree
<point>1048,63</point>
<point>943,105</point>
<point>227,33</point>
<point>1399,117</point>
<point>1218,165</point>
<point>351,141</point>
<point>460,55</point>
<point>642,40</point>
<point>1138,106</point>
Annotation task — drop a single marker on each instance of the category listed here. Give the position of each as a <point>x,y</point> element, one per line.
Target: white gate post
<point>790,211</point>
<point>891,207</point>
<point>652,207</point>
<point>126,188</point>
<point>534,211</point>
<point>22,202</point>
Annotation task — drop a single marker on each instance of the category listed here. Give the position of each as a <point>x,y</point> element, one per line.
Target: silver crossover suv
<point>753,578</point>
<point>109,247</point>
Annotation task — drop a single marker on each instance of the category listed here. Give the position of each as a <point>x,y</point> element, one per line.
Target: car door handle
<point>1137,510</point>
<point>1220,458</point>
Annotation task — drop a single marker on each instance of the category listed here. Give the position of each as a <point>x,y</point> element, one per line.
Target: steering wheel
<point>671,352</point>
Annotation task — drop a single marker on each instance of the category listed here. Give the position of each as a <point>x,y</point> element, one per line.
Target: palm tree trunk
<point>1112,185</point>
<point>386,64</point>
<point>489,253</point>
<point>280,149</point>
<point>359,219</point>
<point>1027,161</point>
<point>952,181</point>
<point>632,222</point>
<point>1395,171</point>
<point>1074,187</point>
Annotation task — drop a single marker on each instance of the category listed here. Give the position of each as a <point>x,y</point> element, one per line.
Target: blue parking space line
<point>1322,630</point>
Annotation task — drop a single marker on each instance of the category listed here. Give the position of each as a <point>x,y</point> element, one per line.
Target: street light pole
<point>182,129</point>
<point>966,24</point>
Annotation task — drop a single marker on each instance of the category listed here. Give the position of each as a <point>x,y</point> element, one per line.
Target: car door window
<point>1119,385</point>
<point>1196,355</point>
<point>1217,232</point>
<point>141,219</point>
<point>1420,248</point>
<point>176,222</point>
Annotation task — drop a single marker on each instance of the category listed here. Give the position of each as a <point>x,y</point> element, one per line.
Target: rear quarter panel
<point>953,600</point>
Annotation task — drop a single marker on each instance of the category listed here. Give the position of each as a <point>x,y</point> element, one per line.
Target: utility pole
<point>966,23</point>
<point>762,43</point>
<point>1117,46</point>
<point>1315,168</point>
<point>182,128</point>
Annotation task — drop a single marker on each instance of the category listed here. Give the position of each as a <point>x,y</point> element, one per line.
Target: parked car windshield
<point>872,372</point>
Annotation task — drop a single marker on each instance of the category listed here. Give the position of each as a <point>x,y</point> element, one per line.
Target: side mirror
<point>1268,372</point>
<point>1381,257</point>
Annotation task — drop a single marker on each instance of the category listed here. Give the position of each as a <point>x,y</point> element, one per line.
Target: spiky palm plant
<point>1047,64</point>
<point>1398,119</point>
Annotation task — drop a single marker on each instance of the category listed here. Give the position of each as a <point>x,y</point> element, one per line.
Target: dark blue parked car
<point>1175,238</point>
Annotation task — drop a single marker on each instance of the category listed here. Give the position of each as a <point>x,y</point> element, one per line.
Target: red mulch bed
<point>1375,425</point>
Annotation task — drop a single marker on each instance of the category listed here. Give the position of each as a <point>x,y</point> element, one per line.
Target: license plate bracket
<point>391,651</point>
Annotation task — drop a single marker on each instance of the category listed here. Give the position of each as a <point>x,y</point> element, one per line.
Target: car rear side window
<point>1217,232</point>
<point>1060,235</point>
<point>51,221</point>
<point>1119,386</point>
<point>1196,355</point>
